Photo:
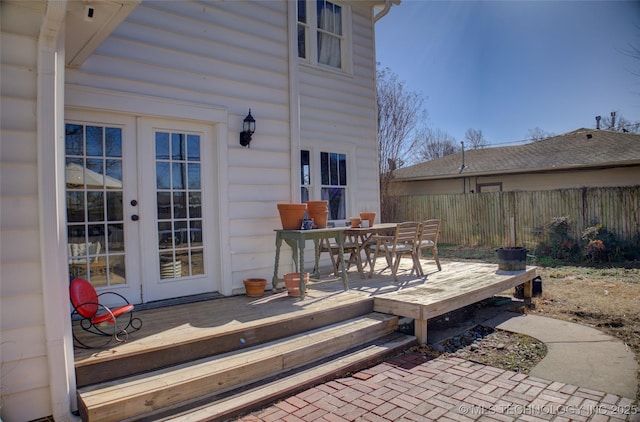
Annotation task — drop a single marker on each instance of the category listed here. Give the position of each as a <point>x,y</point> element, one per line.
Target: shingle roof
<point>578,149</point>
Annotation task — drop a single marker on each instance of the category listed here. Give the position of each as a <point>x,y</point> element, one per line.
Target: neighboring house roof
<point>582,148</point>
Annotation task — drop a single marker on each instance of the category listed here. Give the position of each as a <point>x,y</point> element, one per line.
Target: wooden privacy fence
<point>483,219</point>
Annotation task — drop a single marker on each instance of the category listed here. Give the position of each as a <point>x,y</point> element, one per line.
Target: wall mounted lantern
<point>248,127</point>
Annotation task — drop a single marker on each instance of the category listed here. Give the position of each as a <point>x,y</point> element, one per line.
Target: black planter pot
<point>512,259</point>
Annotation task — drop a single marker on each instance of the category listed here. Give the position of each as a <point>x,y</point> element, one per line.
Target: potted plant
<point>319,212</point>
<point>292,283</point>
<point>510,256</point>
<point>255,286</point>
<point>291,215</point>
<point>369,216</point>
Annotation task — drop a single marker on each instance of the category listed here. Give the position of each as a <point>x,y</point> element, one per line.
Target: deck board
<point>190,322</point>
<point>411,296</point>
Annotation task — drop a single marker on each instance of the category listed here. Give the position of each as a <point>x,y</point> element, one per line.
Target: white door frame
<point>154,287</point>
<point>147,106</point>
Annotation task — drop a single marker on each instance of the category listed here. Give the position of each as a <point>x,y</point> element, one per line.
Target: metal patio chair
<point>97,318</point>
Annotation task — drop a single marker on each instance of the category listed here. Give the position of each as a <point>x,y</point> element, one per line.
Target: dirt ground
<point>604,298</point>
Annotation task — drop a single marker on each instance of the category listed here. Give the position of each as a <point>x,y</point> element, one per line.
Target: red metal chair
<point>95,316</point>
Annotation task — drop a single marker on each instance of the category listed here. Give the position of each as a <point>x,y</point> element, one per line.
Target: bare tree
<point>633,51</point>
<point>620,124</point>
<point>475,139</point>
<point>437,143</point>
<point>400,120</point>
<point>537,134</point>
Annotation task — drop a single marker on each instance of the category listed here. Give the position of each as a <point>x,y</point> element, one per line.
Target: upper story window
<point>321,33</point>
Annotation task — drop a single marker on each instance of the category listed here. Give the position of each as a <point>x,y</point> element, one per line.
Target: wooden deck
<point>438,292</point>
<point>223,356</point>
<point>422,298</point>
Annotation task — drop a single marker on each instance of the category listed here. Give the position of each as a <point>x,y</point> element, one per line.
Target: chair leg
<point>333,258</point>
<point>372,263</point>
<point>395,266</point>
<point>417,265</point>
<point>355,255</point>
<point>435,256</point>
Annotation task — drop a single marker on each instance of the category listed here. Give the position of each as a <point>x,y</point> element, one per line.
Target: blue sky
<point>505,67</point>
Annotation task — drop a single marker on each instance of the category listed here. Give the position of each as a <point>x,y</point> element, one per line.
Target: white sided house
<point>121,160</point>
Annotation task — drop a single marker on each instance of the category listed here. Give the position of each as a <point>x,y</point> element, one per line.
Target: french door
<point>101,194</point>
<point>177,188</point>
<point>139,196</point>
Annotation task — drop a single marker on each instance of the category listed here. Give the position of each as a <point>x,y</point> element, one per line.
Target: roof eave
<point>522,171</point>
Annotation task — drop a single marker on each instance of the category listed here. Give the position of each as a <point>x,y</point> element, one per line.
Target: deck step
<point>136,396</point>
<point>90,371</point>
<point>254,397</point>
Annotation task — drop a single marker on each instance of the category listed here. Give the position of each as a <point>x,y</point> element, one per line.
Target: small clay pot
<point>292,282</point>
<point>254,286</point>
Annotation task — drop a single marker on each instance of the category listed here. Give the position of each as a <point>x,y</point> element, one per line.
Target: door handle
<point>135,217</point>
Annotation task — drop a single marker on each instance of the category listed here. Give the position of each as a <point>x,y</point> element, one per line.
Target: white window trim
<point>311,39</point>
<point>315,188</point>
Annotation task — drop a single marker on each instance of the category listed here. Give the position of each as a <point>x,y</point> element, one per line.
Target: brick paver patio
<point>412,387</point>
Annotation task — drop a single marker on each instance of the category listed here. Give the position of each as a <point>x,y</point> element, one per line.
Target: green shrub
<point>557,243</point>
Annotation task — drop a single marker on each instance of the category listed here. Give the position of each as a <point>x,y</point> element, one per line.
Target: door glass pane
<point>95,203</point>
<point>94,141</point>
<point>163,175</point>
<point>179,204</point>
<point>193,148</point>
<point>195,205</point>
<point>95,226</point>
<point>193,177</point>
<point>114,206</point>
<point>177,175</point>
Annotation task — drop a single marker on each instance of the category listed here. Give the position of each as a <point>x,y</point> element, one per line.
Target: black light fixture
<point>248,127</point>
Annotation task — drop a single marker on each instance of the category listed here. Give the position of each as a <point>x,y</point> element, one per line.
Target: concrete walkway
<point>576,354</point>
<point>586,376</point>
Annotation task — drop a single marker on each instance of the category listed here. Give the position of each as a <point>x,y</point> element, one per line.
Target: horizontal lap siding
<point>24,372</point>
<point>340,108</point>
<point>228,54</point>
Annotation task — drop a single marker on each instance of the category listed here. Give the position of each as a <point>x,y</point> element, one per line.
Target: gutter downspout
<point>294,105</point>
<point>387,7</point>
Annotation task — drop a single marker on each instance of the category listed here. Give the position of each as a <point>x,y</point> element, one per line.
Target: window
<point>303,29</point>
<point>321,33</point>
<point>489,187</point>
<point>333,181</point>
<point>305,175</point>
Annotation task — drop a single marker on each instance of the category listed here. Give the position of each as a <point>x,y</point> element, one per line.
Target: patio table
<point>362,235</point>
<point>296,240</point>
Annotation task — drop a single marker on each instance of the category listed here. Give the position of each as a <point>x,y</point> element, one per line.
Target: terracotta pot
<point>291,215</point>
<point>254,286</point>
<point>370,216</point>
<point>292,283</point>
<point>355,222</point>
<point>319,211</point>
